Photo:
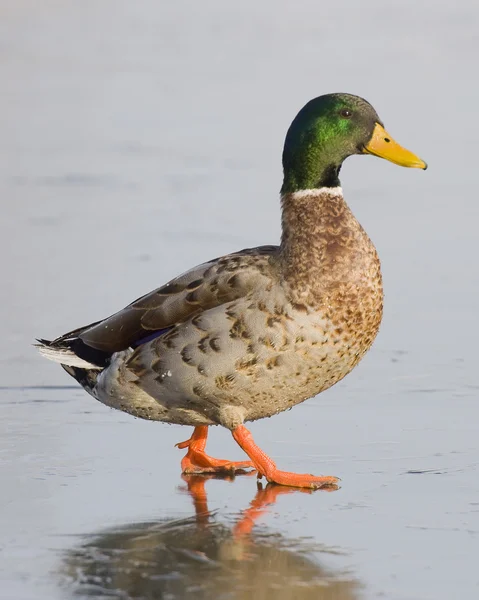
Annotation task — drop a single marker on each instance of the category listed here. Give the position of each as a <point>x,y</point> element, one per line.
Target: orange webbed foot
<point>302,480</point>
<point>197,461</point>
<point>266,467</point>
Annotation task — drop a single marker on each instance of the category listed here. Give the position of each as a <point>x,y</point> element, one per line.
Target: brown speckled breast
<point>331,266</point>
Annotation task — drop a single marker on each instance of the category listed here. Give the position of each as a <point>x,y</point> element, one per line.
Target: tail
<point>71,353</point>
<point>64,353</point>
<point>80,361</point>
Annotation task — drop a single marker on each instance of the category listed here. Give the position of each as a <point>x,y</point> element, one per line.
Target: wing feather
<point>208,285</point>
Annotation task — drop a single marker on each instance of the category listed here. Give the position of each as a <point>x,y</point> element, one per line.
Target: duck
<point>251,334</point>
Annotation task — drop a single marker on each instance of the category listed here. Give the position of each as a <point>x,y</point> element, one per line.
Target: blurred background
<point>141,138</point>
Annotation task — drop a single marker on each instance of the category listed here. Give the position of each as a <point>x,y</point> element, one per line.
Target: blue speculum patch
<point>150,337</point>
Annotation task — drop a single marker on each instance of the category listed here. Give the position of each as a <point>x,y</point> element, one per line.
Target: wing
<point>206,286</point>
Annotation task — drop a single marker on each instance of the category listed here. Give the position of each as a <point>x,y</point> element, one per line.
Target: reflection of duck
<point>253,333</point>
<point>202,558</point>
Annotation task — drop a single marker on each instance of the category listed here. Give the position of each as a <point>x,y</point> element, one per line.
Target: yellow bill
<point>382,144</point>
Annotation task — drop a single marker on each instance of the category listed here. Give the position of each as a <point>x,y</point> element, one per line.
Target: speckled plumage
<point>251,334</point>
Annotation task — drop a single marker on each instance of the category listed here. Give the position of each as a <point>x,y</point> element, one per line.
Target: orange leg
<point>197,461</point>
<point>267,468</point>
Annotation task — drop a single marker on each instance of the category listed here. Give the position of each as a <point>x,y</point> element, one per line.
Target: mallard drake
<point>248,335</point>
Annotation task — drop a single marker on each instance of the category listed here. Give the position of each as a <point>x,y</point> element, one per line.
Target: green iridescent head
<point>328,130</point>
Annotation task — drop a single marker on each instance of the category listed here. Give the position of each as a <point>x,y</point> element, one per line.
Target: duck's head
<point>328,130</point>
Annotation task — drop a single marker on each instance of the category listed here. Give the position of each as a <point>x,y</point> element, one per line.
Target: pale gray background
<point>140,138</point>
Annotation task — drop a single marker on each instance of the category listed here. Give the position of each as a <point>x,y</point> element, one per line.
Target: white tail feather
<point>65,356</point>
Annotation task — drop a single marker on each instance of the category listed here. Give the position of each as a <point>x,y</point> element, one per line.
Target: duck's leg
<point>266,466</point>
<point>197,461</point>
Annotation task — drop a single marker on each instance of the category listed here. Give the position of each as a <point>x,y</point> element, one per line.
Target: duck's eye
<point>346,113</point>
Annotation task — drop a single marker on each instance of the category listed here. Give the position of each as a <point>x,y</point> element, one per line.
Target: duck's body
<point>250,334</point>
<point>247,335</point>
